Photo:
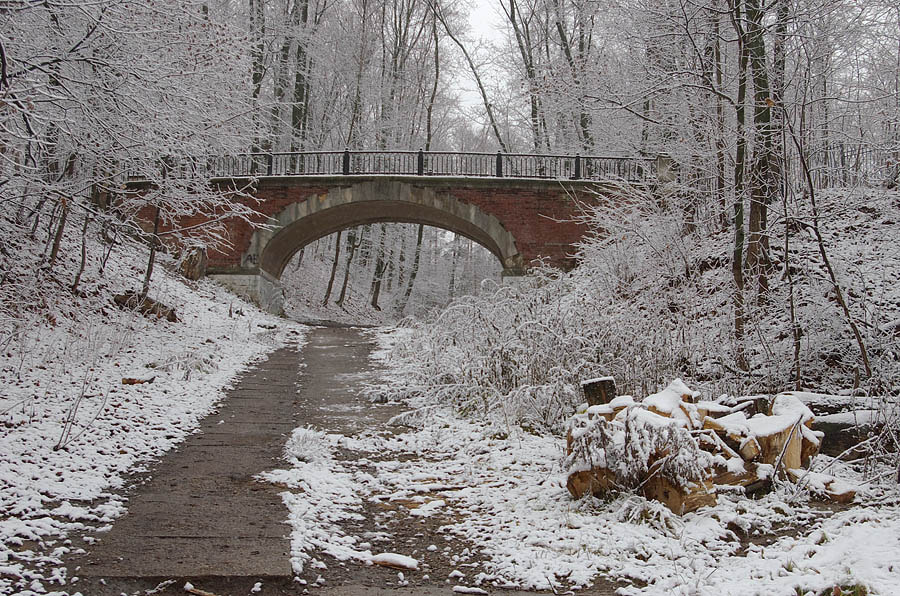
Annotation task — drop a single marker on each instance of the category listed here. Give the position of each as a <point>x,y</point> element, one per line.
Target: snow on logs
<point>680,450</point>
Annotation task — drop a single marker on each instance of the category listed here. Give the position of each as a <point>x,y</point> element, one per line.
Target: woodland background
<point>766,108</point>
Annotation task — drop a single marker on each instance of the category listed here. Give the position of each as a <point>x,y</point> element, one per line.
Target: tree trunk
<point>58,236</point>
<point>154,242</point>
<point>434,88</point>
<point>302,67</point>
<point>356,110</point>
<point>334,266</point>
<point>737,261</point>
<point>352,245</point>
<point>379,270</point>
<point>84,229</point>
<point>454,262</point>
<point>280,88</point>
<point>257,57</point>
<point>762,180</point>
<point>721,146</point>
<point>413,272</point>
<point>526,52</point>
<point>584,118</point>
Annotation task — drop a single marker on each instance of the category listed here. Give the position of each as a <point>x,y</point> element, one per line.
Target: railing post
<point>166,165</point>
<point>269,164</point>
<point>499,165</point>
<point>420,163</point>
<point>346,162</point>
<point>577,166</point>
<point>665,169</point>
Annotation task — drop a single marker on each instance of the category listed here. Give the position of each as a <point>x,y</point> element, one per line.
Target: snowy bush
<point>643,442</point>
<point>651,301</point>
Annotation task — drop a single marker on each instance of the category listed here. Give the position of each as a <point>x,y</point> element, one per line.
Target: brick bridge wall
<point>537,214</point>
<point>519,220</point>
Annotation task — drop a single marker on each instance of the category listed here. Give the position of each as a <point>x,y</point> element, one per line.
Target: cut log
<point>599,391</point>
<point>732,427</point>
<point>680,500</point>
<point>712,409</point>
<point>788,404</point>
<point>840,492</point>
<point>825,485</point>
<point>748,479</point>
<point>597,482</point>
<point>734,432</point>
<point>605,411</point>
<point>750,449</point>
<point>811,443</point>
<point>784,444</point>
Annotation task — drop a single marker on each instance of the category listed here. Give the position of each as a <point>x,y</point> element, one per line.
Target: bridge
<point>521,207</point>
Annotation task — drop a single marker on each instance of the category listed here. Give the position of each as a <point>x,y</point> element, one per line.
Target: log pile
<point>736,448</point>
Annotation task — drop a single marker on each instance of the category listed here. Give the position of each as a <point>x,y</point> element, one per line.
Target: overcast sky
<point>485,21</point>
<point>485,18</point>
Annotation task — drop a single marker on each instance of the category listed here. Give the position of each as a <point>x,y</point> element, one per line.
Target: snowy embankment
<point>93,393</point>
<point>513,505</point>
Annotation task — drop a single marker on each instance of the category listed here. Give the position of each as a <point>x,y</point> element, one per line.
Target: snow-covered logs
<point>679,450</point>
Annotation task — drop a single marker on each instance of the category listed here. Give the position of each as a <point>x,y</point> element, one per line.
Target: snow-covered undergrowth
<point>505,488</point>
<point>305,282</point>
<point>70,429</point>
<point>651,302</point>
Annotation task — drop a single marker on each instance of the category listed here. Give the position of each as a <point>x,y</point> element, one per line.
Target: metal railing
<point>842,165</point>
<point>411,163</point>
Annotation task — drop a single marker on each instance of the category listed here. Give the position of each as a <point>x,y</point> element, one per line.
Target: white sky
<point>485,18</point>
<point>486,22</point>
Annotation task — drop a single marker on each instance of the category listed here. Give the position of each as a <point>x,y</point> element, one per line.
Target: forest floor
<point>296,482</point>
<point>473,508</point>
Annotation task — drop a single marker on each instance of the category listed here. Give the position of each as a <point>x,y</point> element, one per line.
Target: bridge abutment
<point>257,286</point>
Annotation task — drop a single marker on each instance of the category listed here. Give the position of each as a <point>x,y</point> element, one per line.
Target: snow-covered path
<point>364,491</point>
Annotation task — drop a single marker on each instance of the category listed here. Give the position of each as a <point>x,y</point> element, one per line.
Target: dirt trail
<point>200,517</point>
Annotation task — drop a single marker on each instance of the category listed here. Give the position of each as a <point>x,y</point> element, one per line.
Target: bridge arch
<point>375,201</point>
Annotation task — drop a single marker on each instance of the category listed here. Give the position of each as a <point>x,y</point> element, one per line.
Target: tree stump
<point>599,391</point>
<point>193,265</point>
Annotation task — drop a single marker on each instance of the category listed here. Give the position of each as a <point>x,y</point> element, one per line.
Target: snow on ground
<point>322,492</point>
<point>504,491</point>
<point>71,431</point>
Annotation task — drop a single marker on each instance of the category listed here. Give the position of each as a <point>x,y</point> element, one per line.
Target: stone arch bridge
<point>522,208</point>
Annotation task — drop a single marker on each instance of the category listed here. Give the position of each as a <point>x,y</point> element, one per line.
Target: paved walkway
<point>201,513</point>
<point>200,517</point>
